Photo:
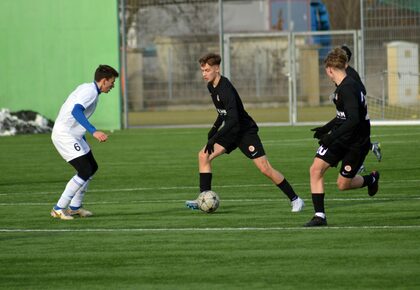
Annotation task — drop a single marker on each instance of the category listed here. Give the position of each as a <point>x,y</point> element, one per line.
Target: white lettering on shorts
<point>321,150</point>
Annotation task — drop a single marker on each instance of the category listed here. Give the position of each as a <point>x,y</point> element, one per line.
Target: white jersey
<point>65,124</point>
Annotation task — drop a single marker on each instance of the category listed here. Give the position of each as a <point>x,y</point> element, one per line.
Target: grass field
<point>142,236</point>
<point>260,115</point>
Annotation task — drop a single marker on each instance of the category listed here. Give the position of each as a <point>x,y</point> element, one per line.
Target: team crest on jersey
<point>347,168</point>
<point>251,148</point>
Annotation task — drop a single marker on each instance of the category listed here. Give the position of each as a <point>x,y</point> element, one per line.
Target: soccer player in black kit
<point>345,138</point>
<point>233,128</point>
<point>351,72</point>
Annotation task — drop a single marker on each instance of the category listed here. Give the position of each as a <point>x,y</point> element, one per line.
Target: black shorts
<point>248,142</point>
<point>85,165</point>
<point>351,158</point>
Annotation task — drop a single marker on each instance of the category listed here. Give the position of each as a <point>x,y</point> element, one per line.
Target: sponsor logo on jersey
<point>217,98</point>
<point>341,115</point>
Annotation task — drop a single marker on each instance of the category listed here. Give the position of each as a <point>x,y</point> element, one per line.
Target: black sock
<point>205,181</point>
<point>287,189</point>
<point>318,201</point>
<point>367,180</point>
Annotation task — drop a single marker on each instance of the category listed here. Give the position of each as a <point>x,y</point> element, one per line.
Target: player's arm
<point>232,118</point>
<point>321,131</point>
<point>351,106</point>
<point>80,117</point>
<point>216,126</point>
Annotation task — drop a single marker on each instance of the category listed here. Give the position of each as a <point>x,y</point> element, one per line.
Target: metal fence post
<point>170,77</point>
<point>123,64</point>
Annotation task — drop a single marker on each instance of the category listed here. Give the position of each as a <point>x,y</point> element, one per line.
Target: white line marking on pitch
<point>390,184</point>
<point>223,200</point>
<point>228,229</point>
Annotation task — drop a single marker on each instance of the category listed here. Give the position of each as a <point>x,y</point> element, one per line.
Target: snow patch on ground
<point>23,122</point>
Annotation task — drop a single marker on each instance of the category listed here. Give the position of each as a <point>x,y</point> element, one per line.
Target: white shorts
<point>70,147</point>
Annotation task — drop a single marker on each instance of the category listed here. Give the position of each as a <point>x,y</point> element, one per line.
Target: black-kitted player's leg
<point>319,219</point>
<point>205,171</point>
<point>252,147</point>
<point>317,171</point>
<point>205,181</point>
<point>349,178</point>
<point>372,182</point>
<point>277,178</point>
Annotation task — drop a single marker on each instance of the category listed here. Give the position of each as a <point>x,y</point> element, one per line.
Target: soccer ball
<point>208,201</point>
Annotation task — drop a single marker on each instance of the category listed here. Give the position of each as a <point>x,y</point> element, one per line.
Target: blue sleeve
<point>77,113</point>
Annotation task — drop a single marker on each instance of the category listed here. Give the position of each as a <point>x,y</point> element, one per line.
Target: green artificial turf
<point>142,237</point>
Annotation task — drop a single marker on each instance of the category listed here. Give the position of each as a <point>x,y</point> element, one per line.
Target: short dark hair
<point>105,72</point>
<point>348,51</point>
<point>210,59</point>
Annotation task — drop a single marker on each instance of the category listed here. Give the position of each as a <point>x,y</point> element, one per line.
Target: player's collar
<point>97,88</point>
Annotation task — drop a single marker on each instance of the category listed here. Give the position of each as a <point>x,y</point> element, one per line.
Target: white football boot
<point>81,212</point>
<point>376,149</point>
<point>297,205</point>
<point>61,214</point>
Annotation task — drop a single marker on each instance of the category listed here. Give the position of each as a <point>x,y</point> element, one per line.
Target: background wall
<point>49,48</point>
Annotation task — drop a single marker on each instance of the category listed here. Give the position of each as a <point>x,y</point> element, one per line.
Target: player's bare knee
<point>342,185</point>
<point>203,157</point>
<point>315,171</point>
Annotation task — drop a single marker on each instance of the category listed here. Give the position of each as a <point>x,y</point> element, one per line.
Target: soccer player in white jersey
<point>69,140</point>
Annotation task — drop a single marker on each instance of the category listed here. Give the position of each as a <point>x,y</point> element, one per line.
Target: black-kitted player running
<point>351,72</point>
<point>233,128</point>
<point>345,138</point>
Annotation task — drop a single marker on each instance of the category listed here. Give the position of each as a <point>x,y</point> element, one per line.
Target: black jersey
<point>351,72</point>
<point>351,126</point>
<point>229,108</point>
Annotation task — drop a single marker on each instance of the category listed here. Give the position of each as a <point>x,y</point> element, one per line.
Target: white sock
<point>74,184</point>
<point>77,199</point>
<point>320,214</point>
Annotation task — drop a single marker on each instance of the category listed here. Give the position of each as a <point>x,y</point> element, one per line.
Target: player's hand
<point>212,132</point>
<point>210,146</point>
<point>325,140</point>
<point>100,136</point>
<point>319,132</point>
